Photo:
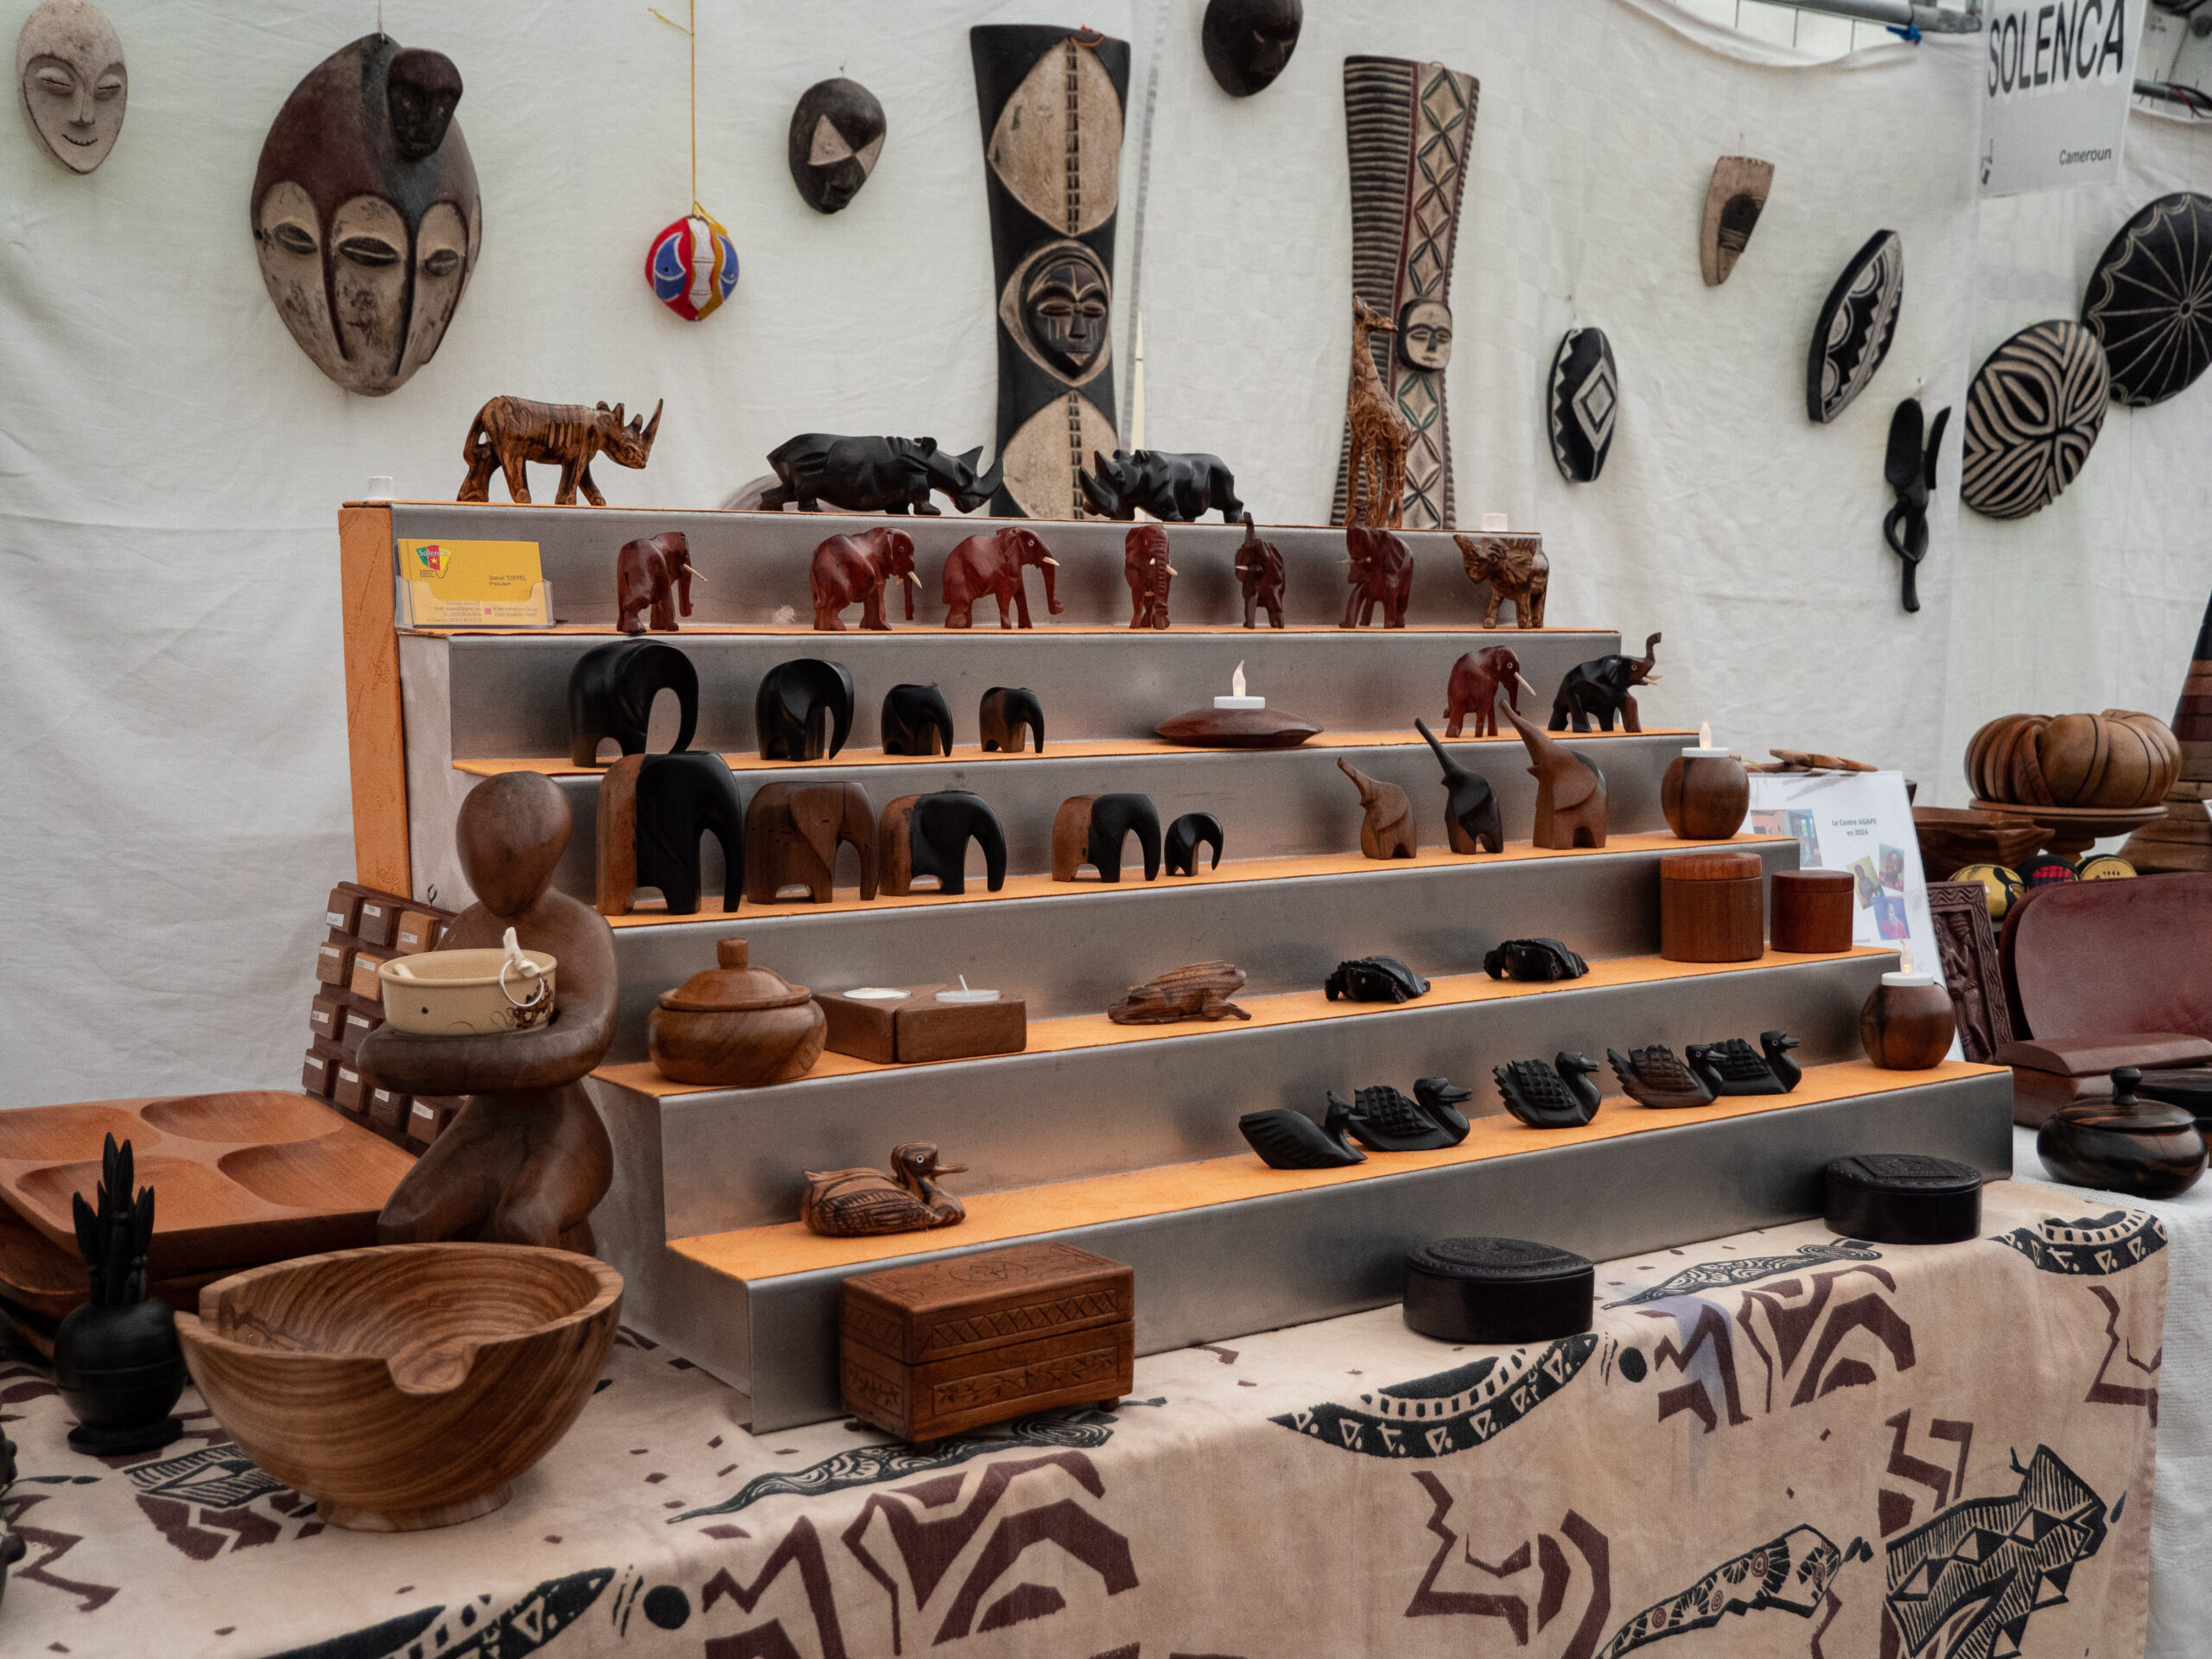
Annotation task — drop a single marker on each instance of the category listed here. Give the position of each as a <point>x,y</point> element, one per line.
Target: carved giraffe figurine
<point>1377,456</point>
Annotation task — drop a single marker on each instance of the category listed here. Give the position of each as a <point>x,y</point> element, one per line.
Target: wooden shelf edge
<point>1072,1033</point>
<point>755,1253</point>
<point>802,629</point>
<point>375,737</point>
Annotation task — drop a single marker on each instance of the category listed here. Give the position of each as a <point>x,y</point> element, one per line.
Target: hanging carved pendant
<point>1733,202</point>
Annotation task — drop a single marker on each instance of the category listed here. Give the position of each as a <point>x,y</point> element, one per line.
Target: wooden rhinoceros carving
<point>509,431</point>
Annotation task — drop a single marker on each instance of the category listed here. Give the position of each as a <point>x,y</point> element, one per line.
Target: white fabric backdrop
<point>175,793</point>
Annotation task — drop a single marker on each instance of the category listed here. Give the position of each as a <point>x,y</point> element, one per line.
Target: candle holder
<point>1907,1024</point>
<point>1706,792</point>
<point>907,1024</point>
<point>1238,721</point>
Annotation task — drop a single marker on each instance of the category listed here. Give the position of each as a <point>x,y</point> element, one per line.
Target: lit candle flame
<point>1904,956</point>
<point>1705,735</point>
<point>1236,681</point>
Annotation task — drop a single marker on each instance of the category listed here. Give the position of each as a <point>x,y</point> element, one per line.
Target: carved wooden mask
<point>837,133</point>
<point>69,71</point>
<point>366,220</point>
<point>1248,43</point>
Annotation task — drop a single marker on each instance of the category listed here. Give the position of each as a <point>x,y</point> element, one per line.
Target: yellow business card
<point>457,584</point>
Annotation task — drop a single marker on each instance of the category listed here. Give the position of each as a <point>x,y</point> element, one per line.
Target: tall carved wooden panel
<point>1051,103</point>
<point>1411,126</point>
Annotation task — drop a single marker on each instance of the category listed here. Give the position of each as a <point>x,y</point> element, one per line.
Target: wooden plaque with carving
<point>961,1341</point>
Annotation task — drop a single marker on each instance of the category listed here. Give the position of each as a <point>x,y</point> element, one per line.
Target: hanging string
<point>692,35</point>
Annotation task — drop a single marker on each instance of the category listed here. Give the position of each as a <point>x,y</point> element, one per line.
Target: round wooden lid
<point>1817,880</point>
<point>734,986</point>
<point>1711,866</point>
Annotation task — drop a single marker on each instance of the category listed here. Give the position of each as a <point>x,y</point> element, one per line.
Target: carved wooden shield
<point>1051,103</point>
<point>2033,412</point>
<point>1733,202</point>
<point>1856,323</point>
<point>1410,125</point>
<point>2149,300</point>
<point>1584,403</point>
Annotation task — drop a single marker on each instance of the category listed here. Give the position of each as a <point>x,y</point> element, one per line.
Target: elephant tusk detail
<point>1050,560</point>
<point>911,577</point>
<point>1170,570</point>
<point>695,574</point>
<point>1525,686</point>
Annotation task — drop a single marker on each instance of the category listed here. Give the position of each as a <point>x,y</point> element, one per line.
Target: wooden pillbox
<point>952,1344</point>
<point>1711,907</point>
<point>921,1028</point>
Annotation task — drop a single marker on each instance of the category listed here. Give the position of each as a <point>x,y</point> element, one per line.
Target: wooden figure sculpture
<point>864,1202</point>
<point>1373,979</point>
<point>1200,991</point>
<point>1374,464</point>
<point>791,836</point>
<point>1176,489</point>
<point>653,812</point>
<point>1570,789</point>
<point>1145,562</point>
<point>916,719</point>
<point>611,692</point>
<point>510,431</point>
<point>1470,814</point>
<point>993,564</point>
<point>1092,829</point>
<point>802,710</point>
<point>1909,470</point>
<point>848,569</point>
<point>526,1159</point>
<point>1386,825</point>
<point>874,476</point>
<point>116,1358</point>
<point>1382,1120</point>
<point>1476,678</point>
<point>928,835</point>
<point>1602,687</point>
<point>652,582</point>
<point>1259,572</point>
<point>1382,573</point>
<point>1008,717</point>
<point>1184,836</point>
<point>1514,565</point>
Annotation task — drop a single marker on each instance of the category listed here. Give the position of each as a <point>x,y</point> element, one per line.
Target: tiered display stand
<point>1123,1139</point>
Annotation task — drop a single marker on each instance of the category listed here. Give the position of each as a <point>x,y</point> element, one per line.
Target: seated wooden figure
<point>1007,714</point>
<point>525,1160</point>
<point>916,719</point>
<point>1091,829</point>
<point>653,809</point>
<point>1470,814</point>
<point>791,835</point>
<point>611,692</point>
<point>849,569</point>
<point>1386,825</point>
<point>1476,678</point>
<point>1570,789</point>
<point>928,835</point>
<point>652,578</point>
<point>1260,572</point>
<point>1184,836</point>
<point>804,711</point>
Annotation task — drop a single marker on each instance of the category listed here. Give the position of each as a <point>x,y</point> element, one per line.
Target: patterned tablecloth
<point>1779,1443</point>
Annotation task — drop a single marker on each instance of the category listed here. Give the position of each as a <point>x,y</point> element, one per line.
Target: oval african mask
<point>1585,398</point>
<point>1856,324</point>
<point>2033,413</point>
<point>837,132</point>
<point>69,74</point>
<point>366,220</point>
<point>1059,306</point>
<point>1248,43</point>
<point>1733,201</point>
<point>2149,300</point>
<point>1425,335</point>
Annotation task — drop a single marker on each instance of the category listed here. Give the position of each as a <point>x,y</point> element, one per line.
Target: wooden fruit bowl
<point>2069,830</point>
<point>406,1386</point>
<point>1951,838</point>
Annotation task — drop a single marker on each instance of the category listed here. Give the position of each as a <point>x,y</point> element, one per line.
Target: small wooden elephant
<point>652,580</point>
<point>802,710</point>
<point>921,835</point>
<point>653,810</point>
<point>916,719</point>
<point>791,836</point>
<point>1382,573</point>
<point>1260,572</point>
<point>1145,562</point>
<point>1476,679</point>
<point>856,568</point>
<point>1386,829</point>
<point>1514,564</point>
<point>1570,791</point>
<point>1008,717</point>
<point>1091,829</point>
<point>1185,835</point>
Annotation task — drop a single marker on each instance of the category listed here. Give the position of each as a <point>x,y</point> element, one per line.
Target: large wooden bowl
<point>407,1386</point>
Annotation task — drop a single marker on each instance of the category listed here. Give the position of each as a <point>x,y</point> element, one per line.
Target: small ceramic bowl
<point>466,993</point>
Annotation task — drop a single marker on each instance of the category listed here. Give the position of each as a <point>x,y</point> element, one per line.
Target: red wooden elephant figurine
<point>855,568</point>
<point>1258,570</point>
<point>1149,573</point>
<point>1382,573</point>
<point>652,575</point>
<point>1475,679</point>
<point>993,564</point>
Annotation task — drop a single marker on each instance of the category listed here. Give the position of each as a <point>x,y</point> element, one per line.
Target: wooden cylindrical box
<point>1704,797</point>
<point>1812,911</point>
<point>1711,907</point>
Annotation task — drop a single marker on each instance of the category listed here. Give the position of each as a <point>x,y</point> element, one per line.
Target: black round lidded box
<point>1497,1290</point>
<point>1903,1198</point>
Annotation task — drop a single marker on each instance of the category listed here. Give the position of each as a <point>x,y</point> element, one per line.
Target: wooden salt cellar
<point>1711,907</point>
<point>952,1344</point>
<point>1812,911</point>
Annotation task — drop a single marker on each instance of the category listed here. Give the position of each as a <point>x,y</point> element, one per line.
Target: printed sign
<point>473,584</point>
<point>2056,78</point>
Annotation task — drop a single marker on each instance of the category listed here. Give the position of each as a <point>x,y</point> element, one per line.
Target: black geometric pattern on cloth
<point>522,1629</point>
<point>2093,1245</point>
<point>1452,1411</point>
<point>1791,1572</point>
<point>2149,300</point>
<point>2033,414</point>
<point>868,1466</point>
<point>215,1477</point>
<point>1745,1271</point>
<point>2004,1558</point>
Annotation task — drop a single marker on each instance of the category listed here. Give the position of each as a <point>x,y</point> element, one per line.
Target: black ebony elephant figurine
<point>804,711</point>
<point>928,835</point>
<point>682,798</point>
<point>1185,835</point>
<point>1006,710</point>
<point>1090,828</point>
<point>917,720</point>
<point>1471,813</point>
<point>1601,688</point>
<point>611,692</point>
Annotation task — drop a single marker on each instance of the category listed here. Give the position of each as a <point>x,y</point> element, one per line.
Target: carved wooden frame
<point>1961,910</point>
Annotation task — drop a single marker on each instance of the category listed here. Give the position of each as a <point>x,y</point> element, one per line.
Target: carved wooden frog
<point>1201,991</point>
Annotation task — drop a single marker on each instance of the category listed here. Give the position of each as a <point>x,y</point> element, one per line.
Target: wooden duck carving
<point>1440,1099</point>
<point>1653,1076</point>
<point>863,1203</point>
<point>1736,1068</point>
<point>1382,1120</point>
<point>1201,991</point>
<point>1546,1099</point>
<point>1290,1140</point>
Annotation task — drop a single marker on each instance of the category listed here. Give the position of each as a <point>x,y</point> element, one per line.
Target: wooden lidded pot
<point>1704,794</point>
<point>1711,907</point>
<point>736,1026</point>
<point>1908,1023</point>
<point>1812,911</point>
<point>2142,1147</point>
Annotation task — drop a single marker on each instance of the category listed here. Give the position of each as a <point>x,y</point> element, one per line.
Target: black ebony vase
<point>115,1359</point>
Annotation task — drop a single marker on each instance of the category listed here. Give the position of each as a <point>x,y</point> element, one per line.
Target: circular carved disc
<point>2032,413</point>
<point>2149,300</point>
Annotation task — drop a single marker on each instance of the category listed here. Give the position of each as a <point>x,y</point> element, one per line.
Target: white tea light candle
<point>1705,751</point>
<point>967,993</point>
<point>1906,974</point>
<point>1494,523</point>
<point>1237,699</point>
<point>877,994</point>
